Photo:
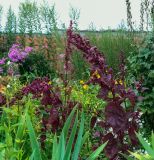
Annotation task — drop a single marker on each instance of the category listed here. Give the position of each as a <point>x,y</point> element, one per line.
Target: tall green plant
<point>11,27</point>
<point>141,16</point>
<point>147,13</point>
<point>48,17</point>
<point>129,16</point>
<point>152,15</point>
<point>74,15</point>
<point>148,147</point>
<point>1,11</point>
<point>1,35</point>
<point>63,146</point>
<point>29,19</point>
<point>141,64</point>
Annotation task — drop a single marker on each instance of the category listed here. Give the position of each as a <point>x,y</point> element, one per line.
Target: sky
<point>103,14</point>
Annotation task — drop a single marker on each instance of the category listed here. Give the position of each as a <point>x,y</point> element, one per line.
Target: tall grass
<point>112,44</point>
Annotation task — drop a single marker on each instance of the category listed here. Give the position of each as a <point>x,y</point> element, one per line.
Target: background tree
<point>10,27</point>
<point>29,19</point>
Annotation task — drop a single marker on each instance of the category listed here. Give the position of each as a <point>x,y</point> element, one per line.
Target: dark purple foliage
<point>2,99</point>
<point>120,119</point>
<point>54,112</point>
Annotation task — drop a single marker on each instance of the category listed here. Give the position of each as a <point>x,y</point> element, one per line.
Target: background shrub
<point>141,63</point>
<point>36,65</point>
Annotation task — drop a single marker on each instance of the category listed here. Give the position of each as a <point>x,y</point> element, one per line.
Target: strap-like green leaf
<point>85,137</point>
<point>68,122</point>
<point>95,154</point>
<point>54,148</point>
<point>146,146</point>
<point>20,131</point>
<point>33,139</point>
<point>127,157</point>
<point>78,143</point>
<point>71,139</point>
<point>152,140</point>
<point>61,147</point>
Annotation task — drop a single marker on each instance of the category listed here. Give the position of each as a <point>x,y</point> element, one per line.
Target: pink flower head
<point>2,61</point>
<point>28,49</point>
<point>17,54</point>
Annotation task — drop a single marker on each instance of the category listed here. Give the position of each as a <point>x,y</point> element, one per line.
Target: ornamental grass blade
<point>85,137</point>
<point>20,131</point>
<point>152,140</point>
<point>33,139</point>
<point>68,123</point>
<point>127,157</point>
<point>146,146</point>
<point>138,156</point>
<point>95,154</point>
<point>79,139</point>
<point>71,139</point>
<point>32,156</point>
<point>54,148</point>
<point>61,147</point>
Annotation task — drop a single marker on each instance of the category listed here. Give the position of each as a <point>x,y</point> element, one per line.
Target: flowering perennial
<point>17,54</point>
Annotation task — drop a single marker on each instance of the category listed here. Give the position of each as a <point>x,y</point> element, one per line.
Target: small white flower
<point>130,119</point>
<point>8,86</point>
<point>98,119</point>
<point>140,113</point>
<point>115,136</point>
<point>8,62</point>
<point>110,129</point>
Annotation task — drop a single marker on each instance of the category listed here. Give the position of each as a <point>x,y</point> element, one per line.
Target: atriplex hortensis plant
<point>54,111</point>
<point>120,115</point>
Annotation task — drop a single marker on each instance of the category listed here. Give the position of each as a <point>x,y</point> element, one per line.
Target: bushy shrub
<point>141,63</point>
<point>36,65</point>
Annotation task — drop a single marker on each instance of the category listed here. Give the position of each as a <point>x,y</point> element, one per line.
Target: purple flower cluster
<point>17,54</point>
<point>2,61</point>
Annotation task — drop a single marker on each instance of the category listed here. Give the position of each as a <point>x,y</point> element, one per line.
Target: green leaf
<point>2,155</point>
<point>33,139</point>
<point>152,140</point>
<point>95,154</point>
<point>127,157</point>
<point>79,139</point>
<point>86,135</point>
<point>68,122</point>
<point>138,156</point>
<point>32,156</point>
<point>20,132</point>
<point>146,146</point>
<point>54,148</point>
<point>71,139</point>
<point>61,147</point>
<point>151,74</point>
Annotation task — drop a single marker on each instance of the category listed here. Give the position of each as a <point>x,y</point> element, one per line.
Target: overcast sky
<point>103,13</point>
